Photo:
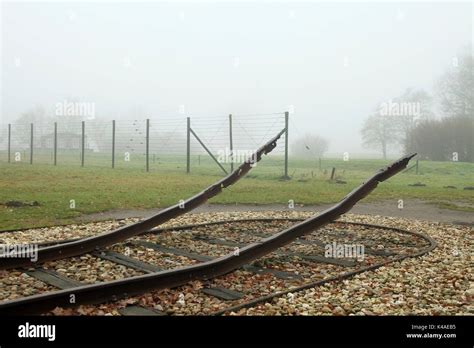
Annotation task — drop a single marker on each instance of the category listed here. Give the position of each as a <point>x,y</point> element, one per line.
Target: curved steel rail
<point>253,302</point>
<point>97,293</point>
<point>84,245</point>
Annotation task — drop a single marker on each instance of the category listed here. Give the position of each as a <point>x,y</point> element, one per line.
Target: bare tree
<point>379,131</point>
<point>36,115</point>
<point>416,107</point>
<point>394,120</point>
<point>309,146</point>
<point>455,88</point>
<point>453,134</point>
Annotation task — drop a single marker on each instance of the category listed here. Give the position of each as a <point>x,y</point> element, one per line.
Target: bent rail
<point>97,293</point>
<point>84,245</point>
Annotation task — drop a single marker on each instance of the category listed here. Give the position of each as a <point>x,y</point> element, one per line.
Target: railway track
<point>295,267</point>
<point>79,247</point>
<point>287,258</point>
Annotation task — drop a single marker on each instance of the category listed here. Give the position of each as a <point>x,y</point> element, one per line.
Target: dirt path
<point>413,209</point>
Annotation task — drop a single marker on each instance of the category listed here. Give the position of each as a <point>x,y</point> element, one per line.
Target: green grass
<point>97,188</point>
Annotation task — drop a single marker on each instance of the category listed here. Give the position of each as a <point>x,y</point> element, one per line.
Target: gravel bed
<point>165,261</point>
<point>73,231</point>
<point>89,269</point>
<point>50,234</point>
<point>16,284</point>
<point>438,283</point>
<point>185,242</point>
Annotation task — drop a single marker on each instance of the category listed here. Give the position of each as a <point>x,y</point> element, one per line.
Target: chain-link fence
<point>185,143</point>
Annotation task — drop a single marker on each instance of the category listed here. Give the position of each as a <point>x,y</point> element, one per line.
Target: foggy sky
<point>334,62</point>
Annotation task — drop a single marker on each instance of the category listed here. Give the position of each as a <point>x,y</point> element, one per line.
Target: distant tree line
<point>450,138</point>
<point>408,120</point>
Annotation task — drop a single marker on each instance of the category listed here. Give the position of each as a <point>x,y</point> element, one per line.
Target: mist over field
<point>330,64</point>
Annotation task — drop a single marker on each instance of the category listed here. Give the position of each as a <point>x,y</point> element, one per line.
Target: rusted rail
<point>89,244</point>
<point>431,245</point>
<point>102,292</point>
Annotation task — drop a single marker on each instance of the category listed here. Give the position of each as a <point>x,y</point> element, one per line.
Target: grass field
<point>96,188</point>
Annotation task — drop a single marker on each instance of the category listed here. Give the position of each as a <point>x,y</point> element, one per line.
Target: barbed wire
<point>167,139</point>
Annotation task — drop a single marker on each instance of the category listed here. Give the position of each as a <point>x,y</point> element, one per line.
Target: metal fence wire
<point>165,143</point>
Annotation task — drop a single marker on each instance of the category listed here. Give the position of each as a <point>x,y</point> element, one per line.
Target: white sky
<point>185,54</point>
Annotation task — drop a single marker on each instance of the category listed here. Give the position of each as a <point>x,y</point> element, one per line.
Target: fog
<point>330,63</point>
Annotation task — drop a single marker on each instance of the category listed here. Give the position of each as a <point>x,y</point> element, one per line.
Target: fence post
<point>147,144</point>
<point>286,144</point>
<point>231,144</point>
<point>416,167</point>
<point>55,142</point>
<point>9,141</point>
<point>188,145</point>
<point>113,144</point>
<point>31,144</point>
<point>83,142</point>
